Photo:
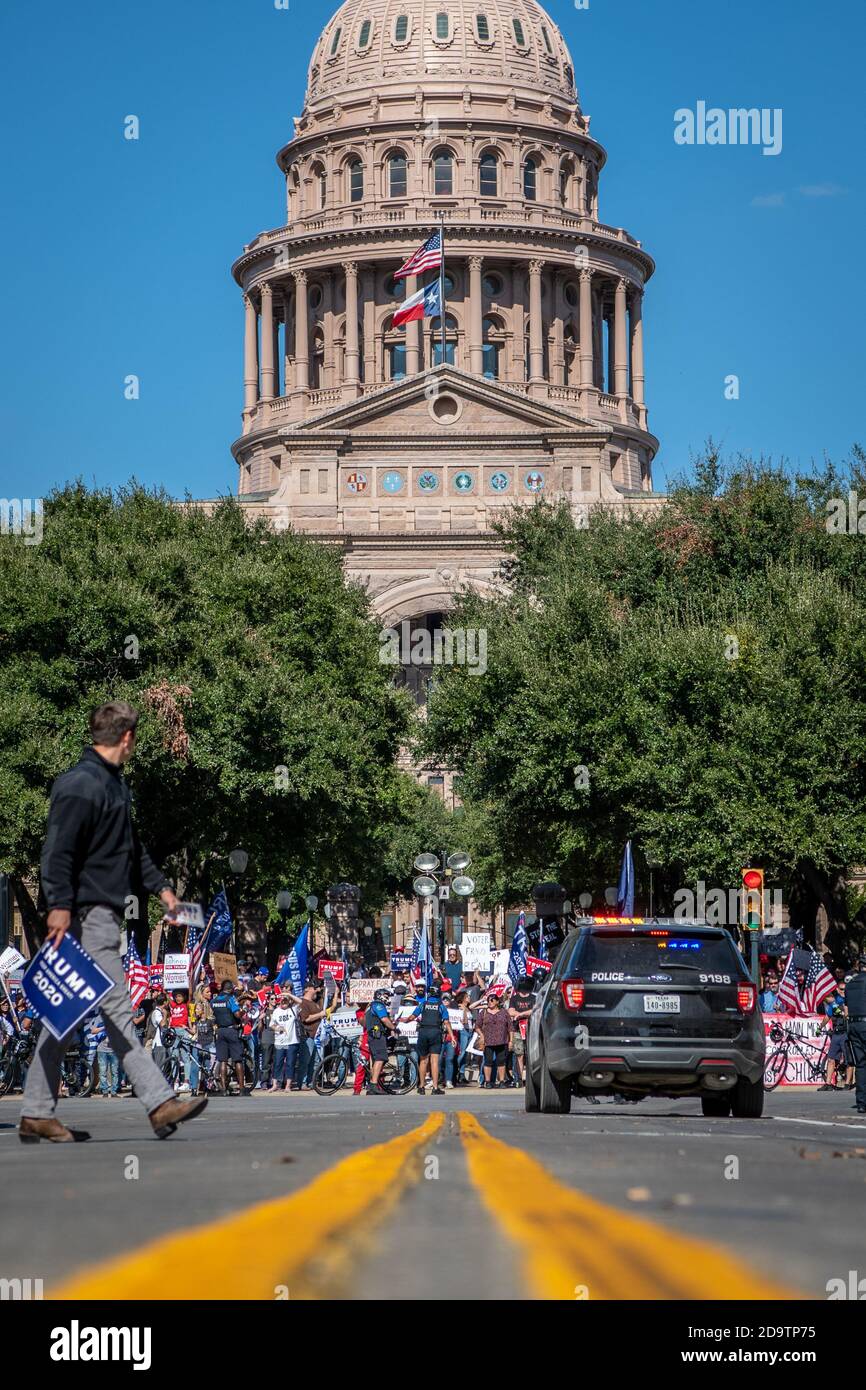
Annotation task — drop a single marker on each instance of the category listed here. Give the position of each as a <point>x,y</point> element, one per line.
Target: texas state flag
<point>426,304</point>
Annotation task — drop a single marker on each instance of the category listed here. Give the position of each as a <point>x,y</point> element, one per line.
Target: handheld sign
<point>335,968</point>
<point>400,961</point>
<point>189,915</point>
<point>176,972</point>
<point>10,959</point>
<point>533,964</point>
<point>64,984</point>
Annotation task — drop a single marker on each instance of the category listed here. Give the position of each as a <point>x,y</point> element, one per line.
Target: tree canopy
<point>268,721</point>
<point>695,679</point>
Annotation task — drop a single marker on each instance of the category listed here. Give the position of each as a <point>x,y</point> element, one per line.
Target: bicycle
<point>77,1076</point>
<point>777,1062</point>
<point>16,1060</point>
<point>399,1074</point>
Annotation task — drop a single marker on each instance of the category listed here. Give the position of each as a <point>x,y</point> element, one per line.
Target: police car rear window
<point>640,955</point>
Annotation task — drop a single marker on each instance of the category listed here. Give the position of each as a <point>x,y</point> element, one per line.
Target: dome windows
<point>488,175</point>
<point>530,180</point>
<point>443,26</point>
<point>397,175</point>
<point>547,44</point>
<point>401,28</point>
<point>482,28</point>
<point>365,35</point>
<point>356,180</point>
<point>335,42</point>
<point>320,183</point>
<point>443,173</point>
<point>519,34</point>
<point>569,77</point>
<point>492,285</point>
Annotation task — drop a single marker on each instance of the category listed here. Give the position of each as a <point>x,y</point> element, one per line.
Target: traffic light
<point>753,899</point>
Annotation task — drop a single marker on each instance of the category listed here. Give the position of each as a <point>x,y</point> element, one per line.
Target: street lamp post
<point>437,872</point>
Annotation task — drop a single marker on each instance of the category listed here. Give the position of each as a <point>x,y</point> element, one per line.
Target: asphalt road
<point>299,1197</point>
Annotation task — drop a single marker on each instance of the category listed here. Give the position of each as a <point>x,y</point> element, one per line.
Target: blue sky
<point>116,254</point>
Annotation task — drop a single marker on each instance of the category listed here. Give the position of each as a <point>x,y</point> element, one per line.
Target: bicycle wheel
<point>400,1074</point>
<point>330,1075</point>
<point>7,1076</point>
<point>777,1065</point>
<point>86,1071</point>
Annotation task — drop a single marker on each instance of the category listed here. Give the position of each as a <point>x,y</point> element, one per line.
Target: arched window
<point>397,176</point>
<point>317,361</point>
<point>530,180</point>
<point>488,175</point>
<point>482,28</point>
<point>320,178</point>
<point>494,341</point>
<point>335,42</point>
<point>356,180</point>
<point>450,340</point>
<point>443,172</point>
<point>394,340</point>
<point>547,44</point>
<point>519,35</point>
<point>443,25</point>
<point>365,34</point>
<point>569,76</point>
<point>566,174</point>
<point>401,28</point>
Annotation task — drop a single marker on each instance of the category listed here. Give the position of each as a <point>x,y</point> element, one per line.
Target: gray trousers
<point>100,934</point>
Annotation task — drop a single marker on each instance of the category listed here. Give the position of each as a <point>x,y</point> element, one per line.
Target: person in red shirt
<point>179,1021</point>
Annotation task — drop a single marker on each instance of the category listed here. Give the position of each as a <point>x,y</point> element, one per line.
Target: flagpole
<point>442,284</point>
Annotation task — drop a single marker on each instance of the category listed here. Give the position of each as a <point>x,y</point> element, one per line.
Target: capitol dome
<point>380,43</point>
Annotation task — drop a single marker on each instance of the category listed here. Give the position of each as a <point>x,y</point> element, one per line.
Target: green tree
<point>268,720</point>
<point>705,667</point>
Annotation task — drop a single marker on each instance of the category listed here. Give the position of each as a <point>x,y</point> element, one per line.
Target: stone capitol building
<point>418,114</point>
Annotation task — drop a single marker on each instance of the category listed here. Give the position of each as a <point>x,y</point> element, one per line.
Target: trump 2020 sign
<point>64,984</point>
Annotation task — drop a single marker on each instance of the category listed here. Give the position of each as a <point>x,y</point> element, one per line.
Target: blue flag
<point>294,971</point>
<point>222,926</point>
<point>519,950</point>
<point>625,888</point>
<point>425,964</point>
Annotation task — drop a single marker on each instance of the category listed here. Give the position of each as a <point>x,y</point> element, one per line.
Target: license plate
<point>661,1003</point>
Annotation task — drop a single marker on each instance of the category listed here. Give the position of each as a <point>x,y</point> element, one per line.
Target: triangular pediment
<point>482,408</point>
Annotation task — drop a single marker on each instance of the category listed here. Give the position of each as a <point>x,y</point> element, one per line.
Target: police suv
<point>642,1007</point>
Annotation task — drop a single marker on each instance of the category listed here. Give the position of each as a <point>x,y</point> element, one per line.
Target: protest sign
<point>815,1042</point>
<point>475,950</point>
<point>335,968</point>
<point>533,964</point>
<point>64,984</point>
<point>176,974</point>
<point>10,961</point>
<point>224,966</point>
<point>189,915</point>
<point>400,961</point>
<point>155,974</point>
<point>362,991</point>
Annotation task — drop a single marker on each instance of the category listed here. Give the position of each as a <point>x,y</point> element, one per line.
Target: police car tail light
<point>573,992</point>
<point>747,998</point>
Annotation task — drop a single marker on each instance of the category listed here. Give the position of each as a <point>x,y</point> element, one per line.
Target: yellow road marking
<point>572,1242</point>
<point>250,1255</point>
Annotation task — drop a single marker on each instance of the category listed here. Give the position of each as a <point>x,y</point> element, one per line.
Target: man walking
<point>855,997</point>
<point>92,864</point>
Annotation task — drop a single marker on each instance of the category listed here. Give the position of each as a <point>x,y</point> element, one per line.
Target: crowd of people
<point>252,1033</point>
<point>840,1062</point>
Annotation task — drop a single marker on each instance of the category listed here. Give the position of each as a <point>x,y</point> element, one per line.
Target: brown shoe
<point>31,1131</point>
<point>166,1117</point>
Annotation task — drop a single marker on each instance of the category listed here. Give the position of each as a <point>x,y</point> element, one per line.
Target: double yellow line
<point>572,1247</point>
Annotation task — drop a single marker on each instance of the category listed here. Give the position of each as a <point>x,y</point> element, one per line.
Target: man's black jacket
<point>92,853</point>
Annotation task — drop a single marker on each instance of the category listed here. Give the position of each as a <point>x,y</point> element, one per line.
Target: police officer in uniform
<point>434,1027</point>
<point>855,996</point>
<point>229,1043</point>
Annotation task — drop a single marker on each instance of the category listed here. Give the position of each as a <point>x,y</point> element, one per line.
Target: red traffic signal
<point>753,878</point>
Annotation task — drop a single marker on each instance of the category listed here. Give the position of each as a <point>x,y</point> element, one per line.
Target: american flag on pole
<point>818,983</point>
<point>425,258</point>
<point>195,946</point>
<point>137,976</point>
